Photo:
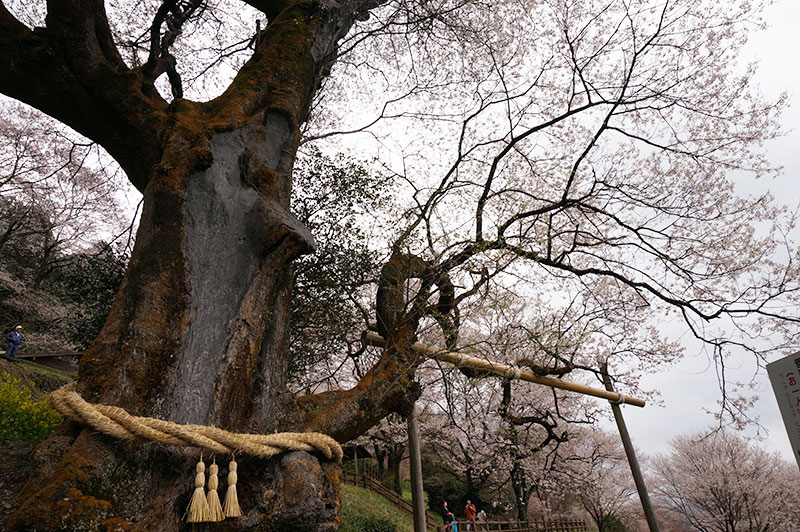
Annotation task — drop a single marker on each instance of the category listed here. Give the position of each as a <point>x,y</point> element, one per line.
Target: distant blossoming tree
<point>724,483</point>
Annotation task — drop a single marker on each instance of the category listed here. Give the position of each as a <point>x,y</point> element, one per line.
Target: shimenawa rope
<point>116,422</point>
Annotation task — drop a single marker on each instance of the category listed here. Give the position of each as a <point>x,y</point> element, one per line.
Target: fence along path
<point>557,525</point>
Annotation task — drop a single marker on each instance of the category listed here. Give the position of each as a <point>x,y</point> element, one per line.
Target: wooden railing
<point>34,356</point>
<point>558,525</point>
<point>365,481</point>
<point>364,468</point>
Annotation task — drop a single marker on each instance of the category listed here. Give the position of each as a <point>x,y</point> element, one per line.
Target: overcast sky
<point>692,386</point>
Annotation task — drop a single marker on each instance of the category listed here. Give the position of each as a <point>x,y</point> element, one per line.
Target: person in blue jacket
<point>14,339</point>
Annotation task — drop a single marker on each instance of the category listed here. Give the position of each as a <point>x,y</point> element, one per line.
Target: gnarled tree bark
<point>198,331</point>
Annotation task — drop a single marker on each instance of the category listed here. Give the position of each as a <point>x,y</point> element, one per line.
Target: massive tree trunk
<point>198,331</point>
<point>197,335</point>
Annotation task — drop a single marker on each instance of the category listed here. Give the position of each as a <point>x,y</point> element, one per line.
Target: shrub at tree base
<point>21,417</point>
<point>614,524</point>
<point>360,522</point>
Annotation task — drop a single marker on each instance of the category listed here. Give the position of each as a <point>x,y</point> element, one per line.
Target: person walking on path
<point>470,512</point>
<point>14,339</point>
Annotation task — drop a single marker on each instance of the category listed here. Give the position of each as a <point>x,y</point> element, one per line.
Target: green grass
<point>44,370</point>
<point>407,495</point>
<point>364,501</point>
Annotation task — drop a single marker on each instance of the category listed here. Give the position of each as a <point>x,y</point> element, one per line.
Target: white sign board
<point>784,374</point>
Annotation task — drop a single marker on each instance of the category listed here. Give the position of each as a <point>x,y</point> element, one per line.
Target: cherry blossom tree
<point>725,483</point>
<point>502,439</point>
<point>612,193</point>
<point>590,143</point>
<point>59,202</point>
<point>57,194</point>
<point>597,471</point>
<point>389,443</point>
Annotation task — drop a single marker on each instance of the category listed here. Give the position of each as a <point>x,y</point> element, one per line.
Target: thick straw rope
<point>115,421</point>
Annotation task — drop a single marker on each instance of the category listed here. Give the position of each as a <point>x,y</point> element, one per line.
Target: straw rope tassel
<point>231,500</point>
<point>198,509</point>
<point>214,506</point>
<point>116,422</point>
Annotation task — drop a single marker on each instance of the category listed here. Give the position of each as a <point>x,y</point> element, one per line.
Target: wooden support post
<point>504,370</point>
<point>638,479</point>
<point>415,457</point>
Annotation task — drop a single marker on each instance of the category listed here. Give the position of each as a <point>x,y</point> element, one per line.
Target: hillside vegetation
<point>25,419</point>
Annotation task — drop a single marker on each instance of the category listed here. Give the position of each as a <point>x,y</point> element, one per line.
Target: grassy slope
<point>364,501</point>
<point>40,379</point>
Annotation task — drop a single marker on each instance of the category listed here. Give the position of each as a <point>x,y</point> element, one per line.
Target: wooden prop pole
<point>415,459</point>
<point>638,478</point>
<point>374,339</point>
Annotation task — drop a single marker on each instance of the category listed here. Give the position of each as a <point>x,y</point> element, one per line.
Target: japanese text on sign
<point>784,374</point>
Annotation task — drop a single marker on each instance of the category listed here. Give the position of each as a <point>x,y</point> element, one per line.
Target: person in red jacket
<point>470,511</point>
